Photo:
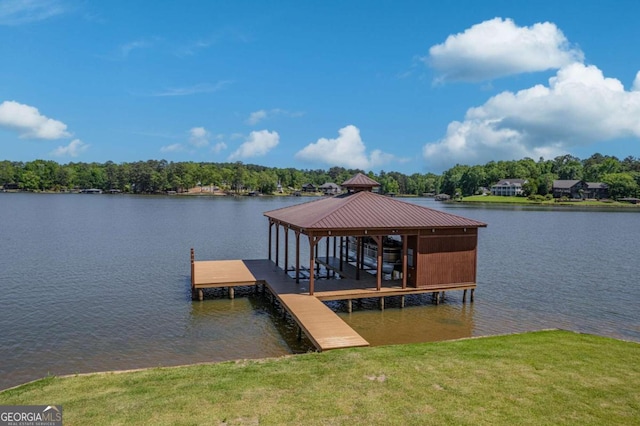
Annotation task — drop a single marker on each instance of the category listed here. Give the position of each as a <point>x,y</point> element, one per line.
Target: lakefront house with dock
<point>438,253</point>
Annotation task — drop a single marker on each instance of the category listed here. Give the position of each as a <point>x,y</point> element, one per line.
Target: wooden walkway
<point>322,326</point>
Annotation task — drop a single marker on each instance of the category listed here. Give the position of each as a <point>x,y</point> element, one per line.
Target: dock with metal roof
<point>438,253</point>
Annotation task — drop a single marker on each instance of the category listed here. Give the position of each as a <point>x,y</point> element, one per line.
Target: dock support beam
<point>472,291</point>
<point>286,249</point>
<point>382,303</point>
<point>402,301</point>
<point>349,306</point>
<point>231,293</point>
<point>297,257</point>
<point>404,260</point>
<point>277,244</point>
<point>193,269</point>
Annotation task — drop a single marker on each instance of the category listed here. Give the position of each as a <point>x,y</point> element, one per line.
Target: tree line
<point>158,176</point>
<point>622,176</point>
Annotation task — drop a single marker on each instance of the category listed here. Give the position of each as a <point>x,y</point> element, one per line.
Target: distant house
<point>330,188</point>
<point>579,189</point>
<point>508,187</point>
<point>597,190</point>
<point>309,187</point>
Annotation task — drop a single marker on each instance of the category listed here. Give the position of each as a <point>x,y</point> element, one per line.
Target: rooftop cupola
<point>360,182</point>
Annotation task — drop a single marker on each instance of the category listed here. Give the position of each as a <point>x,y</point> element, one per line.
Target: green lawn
<point>549,377</point>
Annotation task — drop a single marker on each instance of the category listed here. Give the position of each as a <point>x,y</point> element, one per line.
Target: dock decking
<point>323,327</point>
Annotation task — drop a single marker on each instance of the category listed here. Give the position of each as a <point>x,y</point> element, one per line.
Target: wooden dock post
<point>382,303</point>
<point>349,306</point>
<point>464,296</point>
<point>231,292</point>
<point>193,263</point>
<point>402,301</point>
<point>472,291</point>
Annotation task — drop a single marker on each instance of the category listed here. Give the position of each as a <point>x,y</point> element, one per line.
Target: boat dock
<point>422,250</point>
<point>321,325</point>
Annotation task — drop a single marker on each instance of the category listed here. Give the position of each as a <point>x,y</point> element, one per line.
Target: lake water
<point>101,282</point>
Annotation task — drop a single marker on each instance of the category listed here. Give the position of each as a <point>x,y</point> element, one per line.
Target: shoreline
<point>524,377</point>
<point>522,201</point>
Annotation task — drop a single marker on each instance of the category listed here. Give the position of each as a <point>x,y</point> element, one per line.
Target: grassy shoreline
<point>547,377</point>
<point>493,199</point>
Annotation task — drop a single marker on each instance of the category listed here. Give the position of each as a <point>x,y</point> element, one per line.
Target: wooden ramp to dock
<point>323,327</point>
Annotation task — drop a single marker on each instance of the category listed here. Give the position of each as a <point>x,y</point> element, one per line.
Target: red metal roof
<point>366,210</point>
<point>360,181</point>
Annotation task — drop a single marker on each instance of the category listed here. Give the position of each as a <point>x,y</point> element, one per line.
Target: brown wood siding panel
<point>447,259</point>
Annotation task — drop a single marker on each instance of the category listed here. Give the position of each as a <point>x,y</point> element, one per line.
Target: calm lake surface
<point>101,282</point>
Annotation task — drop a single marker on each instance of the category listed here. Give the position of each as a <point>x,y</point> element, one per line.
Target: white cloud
<point>194,90</point>
<point>636,83</point>
<point>498,48</point>
<point>256,117</point>
<point>259,143</point>
<point>18,12</point>
<point>75,148</point>
<point>347,150</point>
<point>176,147</point>
<point>29,123</point>
<point>217,148</point>
<point>199,137</point>
<point>127,48</point>
<point>578,107</point>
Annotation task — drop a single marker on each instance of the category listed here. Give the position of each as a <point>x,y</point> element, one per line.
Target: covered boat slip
<point>436,249</point>
<point>434,252</point>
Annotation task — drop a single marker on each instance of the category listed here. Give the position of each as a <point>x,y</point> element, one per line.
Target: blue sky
<point>410,86</point>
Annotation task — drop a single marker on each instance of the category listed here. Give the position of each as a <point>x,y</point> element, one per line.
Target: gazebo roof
<point>360,181</point>
<point>368,211</point>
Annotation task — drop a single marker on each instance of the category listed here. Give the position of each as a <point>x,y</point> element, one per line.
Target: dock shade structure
<point>439,249</point>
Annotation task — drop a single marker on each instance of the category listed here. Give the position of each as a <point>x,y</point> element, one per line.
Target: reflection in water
<point>247,324</point>
<point>419,321</point>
